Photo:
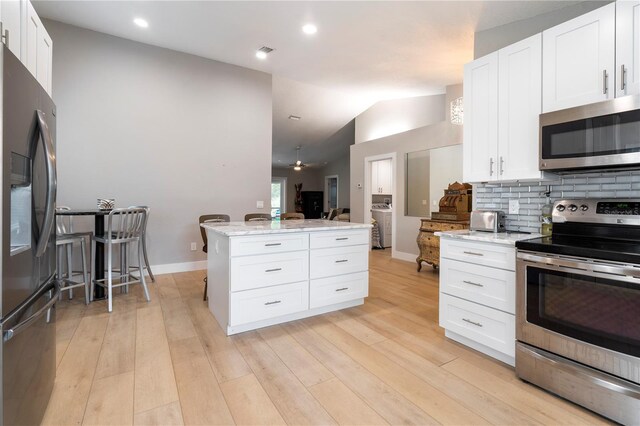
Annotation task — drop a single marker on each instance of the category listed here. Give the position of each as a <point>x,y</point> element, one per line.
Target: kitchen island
<point>265,273</point>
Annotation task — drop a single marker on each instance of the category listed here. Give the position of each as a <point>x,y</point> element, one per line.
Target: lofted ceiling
<point>363,52</point>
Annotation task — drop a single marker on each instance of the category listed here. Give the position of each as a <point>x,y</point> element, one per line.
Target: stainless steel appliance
<point>28,287</point>
<point>603,135</point>
<point>487,220</point>
<point>578,307</point>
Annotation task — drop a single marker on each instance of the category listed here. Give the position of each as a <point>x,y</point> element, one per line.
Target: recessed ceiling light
<point>141,22</point>
<point>309,29</point>
<point>263,52</point>
<point>294,117</point>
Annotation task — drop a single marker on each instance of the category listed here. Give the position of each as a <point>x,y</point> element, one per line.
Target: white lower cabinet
<point>477,296</point>
<point>259,280</point>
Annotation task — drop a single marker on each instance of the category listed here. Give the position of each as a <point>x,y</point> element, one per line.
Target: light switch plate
<point>514,206</point>
<point>259,204</point>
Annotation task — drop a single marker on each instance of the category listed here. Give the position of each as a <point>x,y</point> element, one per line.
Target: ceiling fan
<point>298,165</point>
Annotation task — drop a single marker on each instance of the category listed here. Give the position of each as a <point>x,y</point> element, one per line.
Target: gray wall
<point>490,40</point>
<point>398,115</point>
<point>342,139</point>
<point>145,125</point>
<point>427,137</point>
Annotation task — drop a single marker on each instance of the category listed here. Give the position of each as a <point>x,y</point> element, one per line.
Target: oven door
<point>600,135</point>
<point>587,311</point>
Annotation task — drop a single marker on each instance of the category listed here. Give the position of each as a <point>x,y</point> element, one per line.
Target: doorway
<point>278,196</point>
<point>381,186</point>
<point>331,189</point>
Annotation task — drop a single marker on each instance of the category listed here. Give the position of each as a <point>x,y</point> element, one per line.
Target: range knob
<point>573,207</point>
<point>560,207</point>
<point>584,207</point>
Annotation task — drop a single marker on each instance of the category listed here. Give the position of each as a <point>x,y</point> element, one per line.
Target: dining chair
<point>291,216</point>
<point>209,218</point>
<point>143,241</point>
<point>124,227</point>
<point>257,217</point>
<point>66,238</point>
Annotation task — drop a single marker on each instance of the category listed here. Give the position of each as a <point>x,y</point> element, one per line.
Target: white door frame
<point>283,192</point>
<point>394,187</point>
<point>326,190</point>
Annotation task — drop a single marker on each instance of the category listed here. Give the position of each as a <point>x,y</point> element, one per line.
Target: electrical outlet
<point>514,206</point>
<point>194,247</point>
<point>259,204</point>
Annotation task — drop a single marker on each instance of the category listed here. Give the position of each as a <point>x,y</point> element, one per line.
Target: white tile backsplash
<point>624,184</point>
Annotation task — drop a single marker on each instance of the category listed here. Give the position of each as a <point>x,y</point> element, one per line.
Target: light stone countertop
<point>505,238</point>
<point>231,229</point>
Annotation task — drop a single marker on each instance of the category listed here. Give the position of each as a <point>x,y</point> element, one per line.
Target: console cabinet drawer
<point>339,239</point>
<point>338,261</point>
<point>490,327</point>
<point>248,272</point>
<point>328,291</point>
<point>256,244</point>
<point>492,255</point>
<point>264,303</point>
<point>492,287</point>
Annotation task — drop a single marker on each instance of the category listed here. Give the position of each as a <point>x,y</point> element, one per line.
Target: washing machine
<point>382,214</point>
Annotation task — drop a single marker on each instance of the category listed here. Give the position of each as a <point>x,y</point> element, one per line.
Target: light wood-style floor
<point>386,362</point>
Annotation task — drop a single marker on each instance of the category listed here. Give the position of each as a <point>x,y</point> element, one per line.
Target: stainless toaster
<point>487,221</point>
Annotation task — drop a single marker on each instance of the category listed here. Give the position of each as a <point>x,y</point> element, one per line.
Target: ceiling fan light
<point>297,168</point>
<point>298,162</point>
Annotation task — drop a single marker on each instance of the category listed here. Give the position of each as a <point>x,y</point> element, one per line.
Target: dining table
<point>99,214</point>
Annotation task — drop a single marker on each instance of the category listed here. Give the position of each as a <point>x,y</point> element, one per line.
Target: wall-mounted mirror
<point>428,173</point>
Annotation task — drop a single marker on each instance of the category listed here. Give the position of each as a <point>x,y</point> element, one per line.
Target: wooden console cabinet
<point>429,244</point>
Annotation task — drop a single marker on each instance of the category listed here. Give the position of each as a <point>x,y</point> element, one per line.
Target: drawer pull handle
<point>472,283</point>
<point>275,302</point>
<point>472,322</point>
<point>273,270</point>
<point>342,238</point>
<point>342,289</point>
<point>342,260</point>
<point>473,253</point>
<point>272,244</point>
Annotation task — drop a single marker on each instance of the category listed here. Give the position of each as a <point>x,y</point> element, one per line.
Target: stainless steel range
<point>578,307</point>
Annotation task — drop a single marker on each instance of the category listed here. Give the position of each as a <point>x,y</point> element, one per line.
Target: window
<point>278,196</point>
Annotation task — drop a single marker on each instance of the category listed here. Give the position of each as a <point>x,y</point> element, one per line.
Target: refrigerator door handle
<point>50,208</point>
<point>15,330</point>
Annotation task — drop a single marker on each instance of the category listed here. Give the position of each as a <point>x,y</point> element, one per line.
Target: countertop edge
<point>502,238</point>
<point>236,229</point>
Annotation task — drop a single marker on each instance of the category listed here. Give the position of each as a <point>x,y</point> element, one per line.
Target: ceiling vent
<point>265,49</point>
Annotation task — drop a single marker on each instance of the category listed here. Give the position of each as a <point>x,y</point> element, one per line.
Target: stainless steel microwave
<point>603,135</point>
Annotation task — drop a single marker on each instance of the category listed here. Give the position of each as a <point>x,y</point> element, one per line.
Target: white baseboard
<point>171,268</point>
<point>403,256</point>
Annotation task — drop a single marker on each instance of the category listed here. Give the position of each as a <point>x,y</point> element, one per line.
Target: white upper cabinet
<point>519,105</point>
<point>11,14</point>
<point>28,39</point>
<point>480,150</point>
<point>502,103</point>
<point>627,47</point>
<point>579,60</point>
<point>381,182</point>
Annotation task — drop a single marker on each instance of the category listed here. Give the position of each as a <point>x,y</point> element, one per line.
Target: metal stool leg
<point>70,267</point>
<point>110,276</point>
<point>85,274</point>
<point>92,260</point>
<point>206,284</point>
<point>142,279</point>
<point>146,258</point>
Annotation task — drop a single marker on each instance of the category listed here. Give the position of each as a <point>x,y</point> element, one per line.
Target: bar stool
<point>292,216</point>
<point>257,217</point>
<point>65,240</point>
<point>124,226</point>
<point>146,266</point>
<point>207,218</point>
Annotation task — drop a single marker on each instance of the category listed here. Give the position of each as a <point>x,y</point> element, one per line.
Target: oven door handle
<point>582,266</point>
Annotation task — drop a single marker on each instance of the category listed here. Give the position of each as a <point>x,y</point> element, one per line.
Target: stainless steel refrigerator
<point>28,287</point>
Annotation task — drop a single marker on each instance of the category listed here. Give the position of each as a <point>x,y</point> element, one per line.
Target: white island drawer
<point>338,261</point>
<point>493,255</point>
<point>490,327</point>
<point>249,272</point>
<point>264,303</point>
<point>329,291</point>
<point>265,244</point>
<point>491,287</point>
<point>339,239</point>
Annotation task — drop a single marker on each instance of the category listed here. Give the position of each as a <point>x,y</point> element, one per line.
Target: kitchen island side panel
<point>218,277</point>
